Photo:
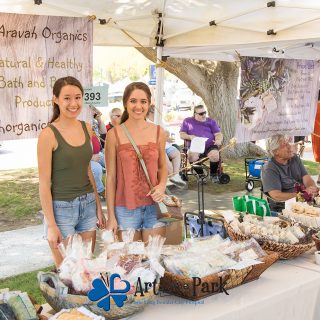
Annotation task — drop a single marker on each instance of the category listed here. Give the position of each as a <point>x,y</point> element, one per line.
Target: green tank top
<point>69,174</point>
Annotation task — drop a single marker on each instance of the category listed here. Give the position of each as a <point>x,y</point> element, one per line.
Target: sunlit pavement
<point>18,154</point>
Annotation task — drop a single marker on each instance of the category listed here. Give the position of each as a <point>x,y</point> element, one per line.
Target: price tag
<point>136,247</point>
<point>96,96</point>
<point>116,246</point>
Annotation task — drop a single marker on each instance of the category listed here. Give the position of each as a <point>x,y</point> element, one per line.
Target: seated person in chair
<point>173,159</point>
<point>202,126</point>
<point>98,165</point>
<point>283,171</point>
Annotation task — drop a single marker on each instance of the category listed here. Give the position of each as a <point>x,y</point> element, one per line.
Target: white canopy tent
<point>202,29</point>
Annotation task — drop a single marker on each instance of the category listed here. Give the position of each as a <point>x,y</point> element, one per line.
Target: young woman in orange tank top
<point>130,202</point>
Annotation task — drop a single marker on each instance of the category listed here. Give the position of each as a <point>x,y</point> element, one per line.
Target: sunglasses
<point>116,115</point>
<point>202,113</point>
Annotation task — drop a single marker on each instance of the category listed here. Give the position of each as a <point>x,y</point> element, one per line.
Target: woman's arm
<point>46,144</point>
<point>158,191</point>
<point>111,179</point>
<point>162,164</point>
<point>100,215</point>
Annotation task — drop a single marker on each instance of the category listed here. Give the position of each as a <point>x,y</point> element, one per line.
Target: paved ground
<point>18,154</point>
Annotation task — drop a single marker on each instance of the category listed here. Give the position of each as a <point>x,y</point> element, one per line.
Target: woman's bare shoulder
<point>46,133</point>
<point>89,128</point>
<point>111,135</point>
<point>47,139</point>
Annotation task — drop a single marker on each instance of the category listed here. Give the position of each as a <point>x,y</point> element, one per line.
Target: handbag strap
<point>135,147</point>
<point>162,206</point>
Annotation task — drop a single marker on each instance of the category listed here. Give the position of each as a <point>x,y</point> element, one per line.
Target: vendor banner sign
<point>35,51</point>
<point>277,96</point>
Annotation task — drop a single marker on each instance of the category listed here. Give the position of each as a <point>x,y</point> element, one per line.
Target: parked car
<point>184,100</point>
<point>115,99</point>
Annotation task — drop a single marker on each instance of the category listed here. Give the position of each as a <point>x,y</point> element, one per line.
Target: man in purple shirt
<point>201,126</point>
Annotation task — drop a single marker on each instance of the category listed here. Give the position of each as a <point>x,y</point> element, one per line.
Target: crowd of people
<point>74,155</point>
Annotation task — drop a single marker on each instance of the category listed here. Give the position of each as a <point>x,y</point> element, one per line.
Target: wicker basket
<point>237,277</point>
<point>59,299</point>
<point>185,287</point>
<point>285,250</point>
<point>316,241</point>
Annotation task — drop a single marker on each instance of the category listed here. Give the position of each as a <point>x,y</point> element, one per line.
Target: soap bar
<point>22,307</point>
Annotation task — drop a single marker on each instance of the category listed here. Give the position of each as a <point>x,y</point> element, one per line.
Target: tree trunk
<point>216,83</point>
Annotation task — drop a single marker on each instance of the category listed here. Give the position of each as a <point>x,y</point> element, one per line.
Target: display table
<point>285,292</point>
<point>305,261</point>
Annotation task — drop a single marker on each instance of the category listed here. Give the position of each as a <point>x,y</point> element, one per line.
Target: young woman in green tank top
<point>68,195</point>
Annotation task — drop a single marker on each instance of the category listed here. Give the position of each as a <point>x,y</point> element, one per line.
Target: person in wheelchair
<point>202,126</point>
<point>280,174</point>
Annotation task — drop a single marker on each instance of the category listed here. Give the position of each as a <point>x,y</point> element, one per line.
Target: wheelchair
<point>201,166</point>
<point>276,207</point>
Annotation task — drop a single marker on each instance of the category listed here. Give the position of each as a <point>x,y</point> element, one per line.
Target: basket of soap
<point>273,234</point>
<point>212,265</point>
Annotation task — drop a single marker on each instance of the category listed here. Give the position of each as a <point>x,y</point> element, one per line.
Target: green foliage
<point>114,64</point>
<point>169,117</point>
<point>26,282</point>
<point>236,170</point>
<point>312,167</point>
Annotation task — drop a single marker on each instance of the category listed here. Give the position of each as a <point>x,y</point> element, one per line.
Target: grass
<point>26,282</point>
<point>312,167</point>
<point>235,168</point>
<point>19,197</point>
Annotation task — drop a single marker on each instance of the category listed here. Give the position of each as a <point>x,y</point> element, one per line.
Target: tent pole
<point>159,88</point>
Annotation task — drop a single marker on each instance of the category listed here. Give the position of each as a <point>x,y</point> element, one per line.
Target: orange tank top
<point>132,187</point>
<point>316,136</point>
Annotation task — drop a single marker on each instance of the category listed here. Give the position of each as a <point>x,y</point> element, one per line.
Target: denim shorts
<point>144,217</point>
<point>75,216</point>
